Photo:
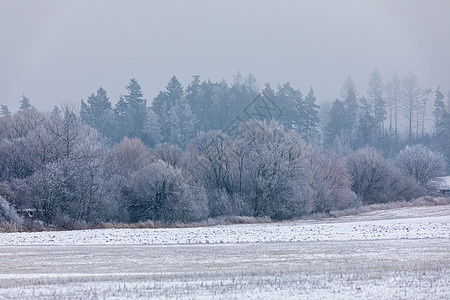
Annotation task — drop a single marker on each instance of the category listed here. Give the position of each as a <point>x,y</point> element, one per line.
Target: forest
<point>217,149</point>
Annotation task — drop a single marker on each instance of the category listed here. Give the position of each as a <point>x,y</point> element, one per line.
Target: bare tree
<point>421,163</point>
<point>376,180</point>
<point>277,174</point>
<point>160,192</point>
<point>330,182</point>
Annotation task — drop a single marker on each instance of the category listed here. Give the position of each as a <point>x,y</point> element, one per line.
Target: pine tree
<point>350,115</point>
<point>136,107</point>
<point>310,115</point>
<point>441,125</point>
<point>335,127</point>
<point>135,95</point>
<point>121,107</point>
<point>290,101</point>
<point>166,99</point>
<point>182,123</point>
<point>25,103</point>
<point>375,96</point>
<point>5,111</point>
<point>96,111</point>
<point>367,128</point>
<point>411,94</point>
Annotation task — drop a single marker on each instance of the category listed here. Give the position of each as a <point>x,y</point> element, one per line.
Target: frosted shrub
<point>276,173</point>
<point>7,213</point>
<point>376,180</point>
<point>421,163</point>
<point>160,192</point>
<point>330,182</point>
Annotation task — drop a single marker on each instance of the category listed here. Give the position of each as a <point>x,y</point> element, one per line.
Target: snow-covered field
<point>397,254</point>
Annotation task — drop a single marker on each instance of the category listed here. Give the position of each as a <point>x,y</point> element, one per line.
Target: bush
<point>421,163</point>
<point>376,180</point>
<point>330,182</point>
<point>162,193</point>
<point>8,214</point>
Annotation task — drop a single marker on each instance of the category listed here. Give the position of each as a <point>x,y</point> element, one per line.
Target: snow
<point>405,223</point>
<point>400,253</point>
<point>444,182</point>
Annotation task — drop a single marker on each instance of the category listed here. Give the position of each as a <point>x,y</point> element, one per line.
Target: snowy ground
<point>399,254</point>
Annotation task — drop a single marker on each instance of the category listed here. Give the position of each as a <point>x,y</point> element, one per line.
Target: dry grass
<point>33,226</point>
<point>225,220</point>
<point>422,201</point>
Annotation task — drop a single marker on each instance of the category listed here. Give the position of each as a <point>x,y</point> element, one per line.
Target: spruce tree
<point>25,103</point>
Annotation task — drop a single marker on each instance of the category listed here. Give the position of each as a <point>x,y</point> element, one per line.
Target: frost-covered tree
<point>128,156</point>
<point>170,154</point>
<point>18,157</point>
<point>330,182</point>
<point>376,180</point>
<point>180,123</point>
<point>212,163</point>
<point>160,192</point>
<point>137,108</point>
<point>131,117</point>
<point>71,183</point>
<point>96,111</point>
<point>421,163</point>
<point>176,119</point>
<point>8,214</point>
<point>276,172</point>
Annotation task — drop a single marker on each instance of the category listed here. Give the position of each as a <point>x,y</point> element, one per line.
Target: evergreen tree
<point>350,113</point>
<point>309,116</point>
<point>366,124</point>
<point>121,107</point>
<point>198,95</point>
<point>137,109</point>
<point>411,94</point>
<point>5,111</point>
<point>163,105</point>
<point>132,118</point>
<point>375,96</point>
<point>97,113</point>
<point>92,112</point>
<point>182,123</point>
<point>56,111</point>
<point>291,103</point>
<point>442,126</point>
<point>269,91</point>
<point>166,99</point>
<point>251,85</point>
<point>392,91</point>
<point>25,103</point>
<point>336,125</point>
<point>135,95</point>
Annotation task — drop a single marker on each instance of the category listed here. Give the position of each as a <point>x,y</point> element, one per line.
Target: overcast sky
<point>59,51</point>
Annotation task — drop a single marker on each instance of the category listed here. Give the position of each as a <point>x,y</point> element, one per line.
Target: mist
<point>61,51</point>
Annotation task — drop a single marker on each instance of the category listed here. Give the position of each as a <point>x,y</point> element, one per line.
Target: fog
<point>59,51</point>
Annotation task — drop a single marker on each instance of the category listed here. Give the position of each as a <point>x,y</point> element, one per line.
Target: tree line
<point>197,152</point>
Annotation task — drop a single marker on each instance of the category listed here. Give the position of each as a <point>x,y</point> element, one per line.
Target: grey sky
<point>57,51</point>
